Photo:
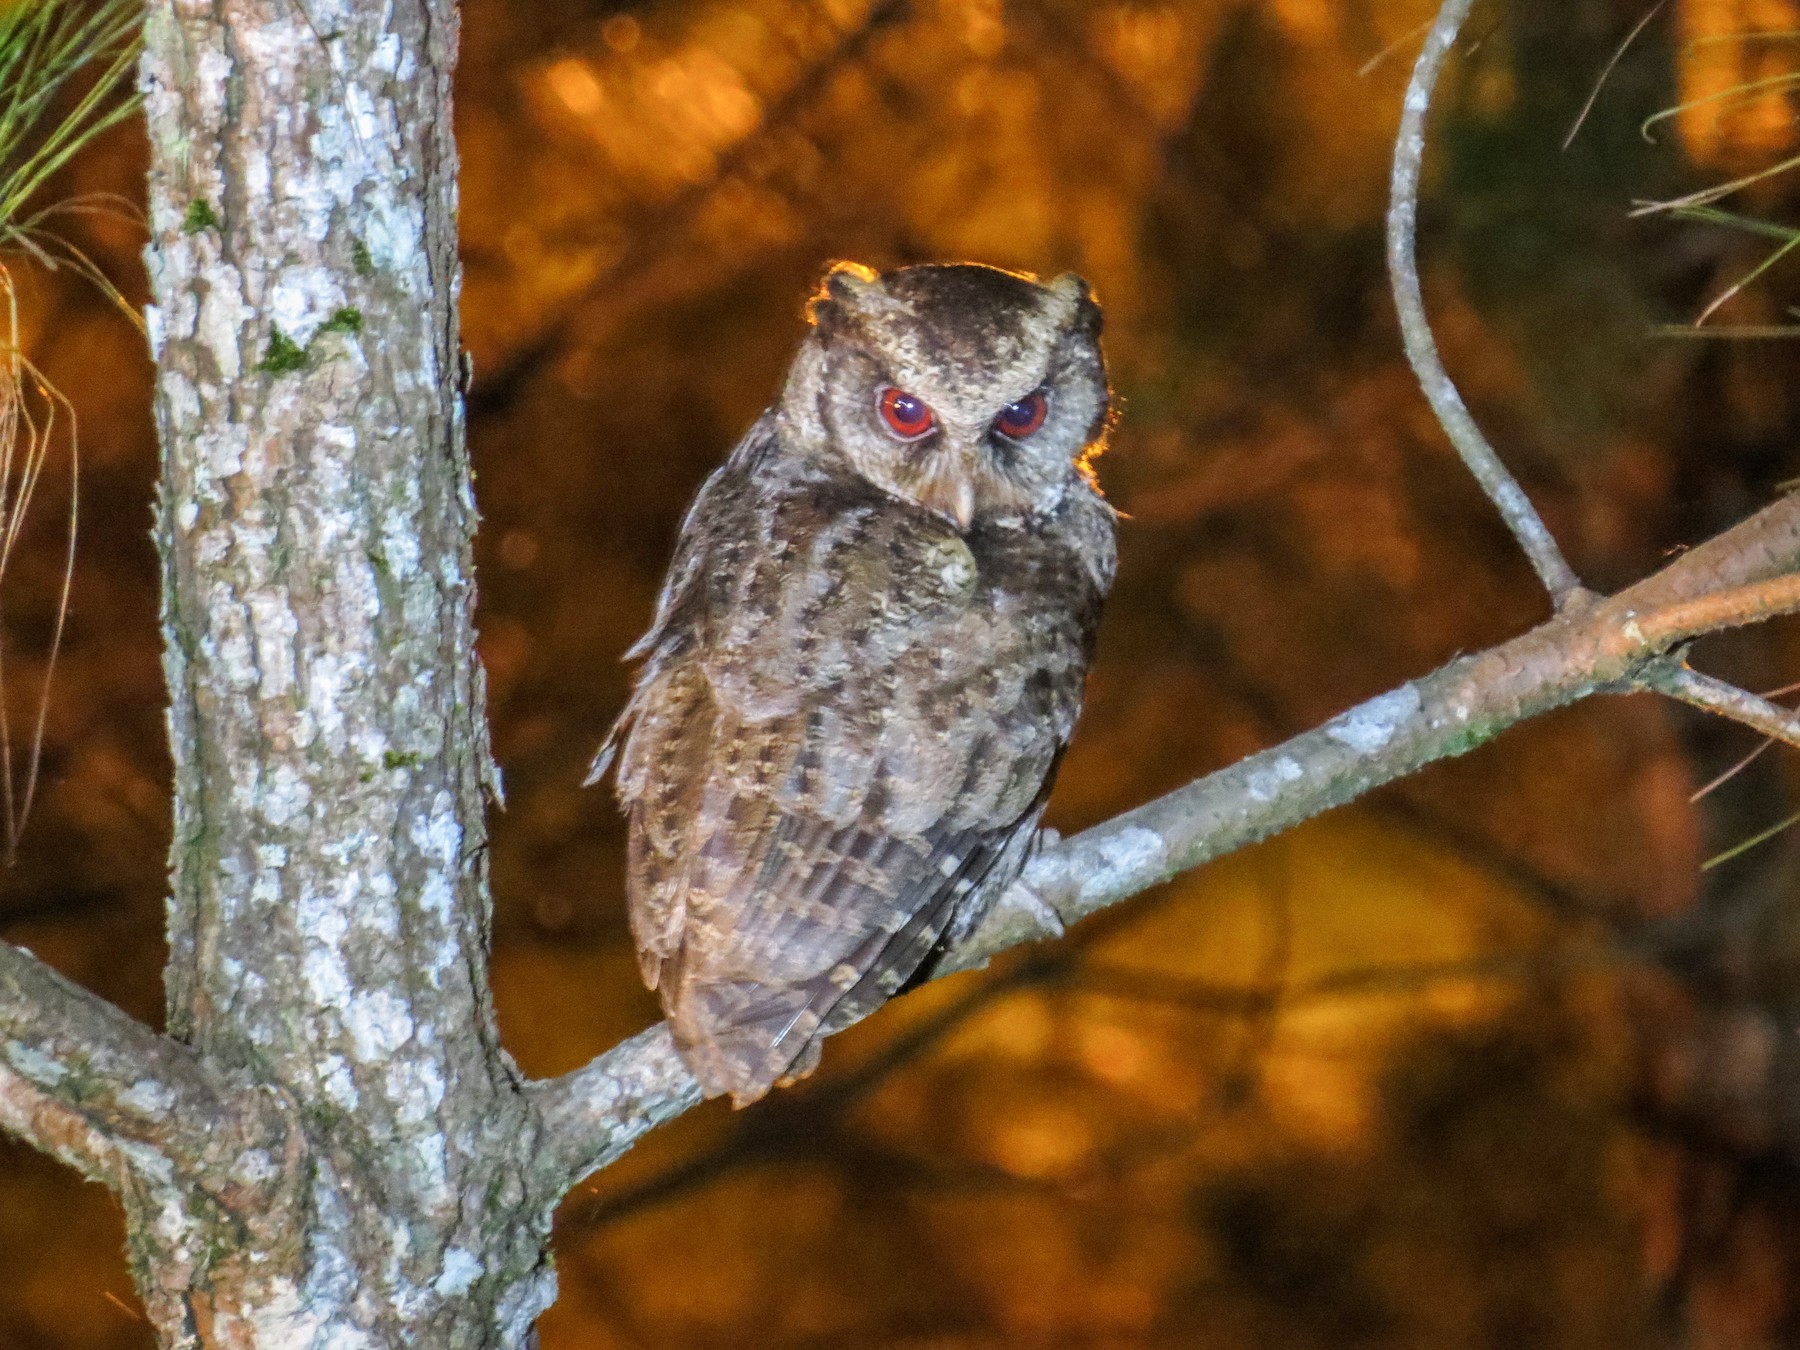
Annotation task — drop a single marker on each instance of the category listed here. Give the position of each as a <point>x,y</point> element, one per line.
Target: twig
<point>1714,695</point>
<point>593,1115</point>
<point>1731,607</point>
<point>1762,746</point>
<point>1421,348</point>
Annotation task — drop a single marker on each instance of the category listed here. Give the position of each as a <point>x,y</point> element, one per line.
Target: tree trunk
<point>329,918</point>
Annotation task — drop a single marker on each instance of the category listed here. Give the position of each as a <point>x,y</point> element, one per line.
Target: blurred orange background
<point>1487,1060</point>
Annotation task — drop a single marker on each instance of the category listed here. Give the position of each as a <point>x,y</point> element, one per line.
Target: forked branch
<point>102,1092</point>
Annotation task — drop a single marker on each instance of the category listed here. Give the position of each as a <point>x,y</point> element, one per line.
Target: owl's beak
<point>949,486</point>
<point>951,495</point>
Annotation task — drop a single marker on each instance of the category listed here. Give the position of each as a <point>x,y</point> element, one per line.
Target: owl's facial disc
<point>970,468</point>
<point>971,392</point>
<point>944,484</point>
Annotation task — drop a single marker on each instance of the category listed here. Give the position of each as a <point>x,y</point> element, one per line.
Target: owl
<point>866,661</point>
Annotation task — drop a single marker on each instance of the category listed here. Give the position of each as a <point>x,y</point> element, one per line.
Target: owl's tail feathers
<point>742,1037</point>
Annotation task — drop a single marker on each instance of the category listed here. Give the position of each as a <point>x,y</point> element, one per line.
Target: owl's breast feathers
<point>841,740</point>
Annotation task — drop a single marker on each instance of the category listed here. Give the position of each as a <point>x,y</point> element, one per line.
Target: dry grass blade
<point>1607,70</point>
<point>1369,67</point>
<point>1706,790</point>
<point>30,411</point>
<point>1746,331</point>
<point>1718,192</point>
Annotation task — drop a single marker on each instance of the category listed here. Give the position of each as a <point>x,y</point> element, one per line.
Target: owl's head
<point>970,391</point>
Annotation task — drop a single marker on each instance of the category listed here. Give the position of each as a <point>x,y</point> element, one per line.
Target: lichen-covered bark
<point>327,928</point>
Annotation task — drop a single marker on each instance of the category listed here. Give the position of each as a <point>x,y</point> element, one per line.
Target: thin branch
<point>1712,786</point>
<point>1421,348</point>
<point>1713,695</point>
<point>102,1092</point>
<point>594,1114</point>
<point>1765,598</point>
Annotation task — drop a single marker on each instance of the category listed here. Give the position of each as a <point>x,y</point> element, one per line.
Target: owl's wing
<point>767,924</point>
<point>721,509</point>
<point>819,780</point>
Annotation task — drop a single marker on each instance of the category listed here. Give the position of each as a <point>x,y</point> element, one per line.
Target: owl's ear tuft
<point>850,288</point>
<point>851,281</point>
<point>847,284</point>
<point>1075,299</point>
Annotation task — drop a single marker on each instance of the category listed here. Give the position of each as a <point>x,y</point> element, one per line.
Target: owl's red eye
<point>1021,419</point>
<point>907,417</point>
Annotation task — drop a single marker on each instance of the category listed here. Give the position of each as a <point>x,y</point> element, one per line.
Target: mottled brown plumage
<point>866,661</point>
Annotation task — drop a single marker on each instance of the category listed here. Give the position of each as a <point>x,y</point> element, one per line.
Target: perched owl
<point>866,661</point>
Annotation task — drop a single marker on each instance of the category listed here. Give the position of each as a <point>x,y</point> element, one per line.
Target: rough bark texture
<point>327,929</point>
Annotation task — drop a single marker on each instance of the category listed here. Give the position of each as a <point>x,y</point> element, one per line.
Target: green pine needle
<point>65,79</point>
<point>1751,842</point>
<point>44,44</point>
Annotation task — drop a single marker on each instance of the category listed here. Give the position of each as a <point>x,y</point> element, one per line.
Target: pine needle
<point>51,52</point>
<point>1607,70</point>
<point>1738,93</point>
<point>1750,843</point>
